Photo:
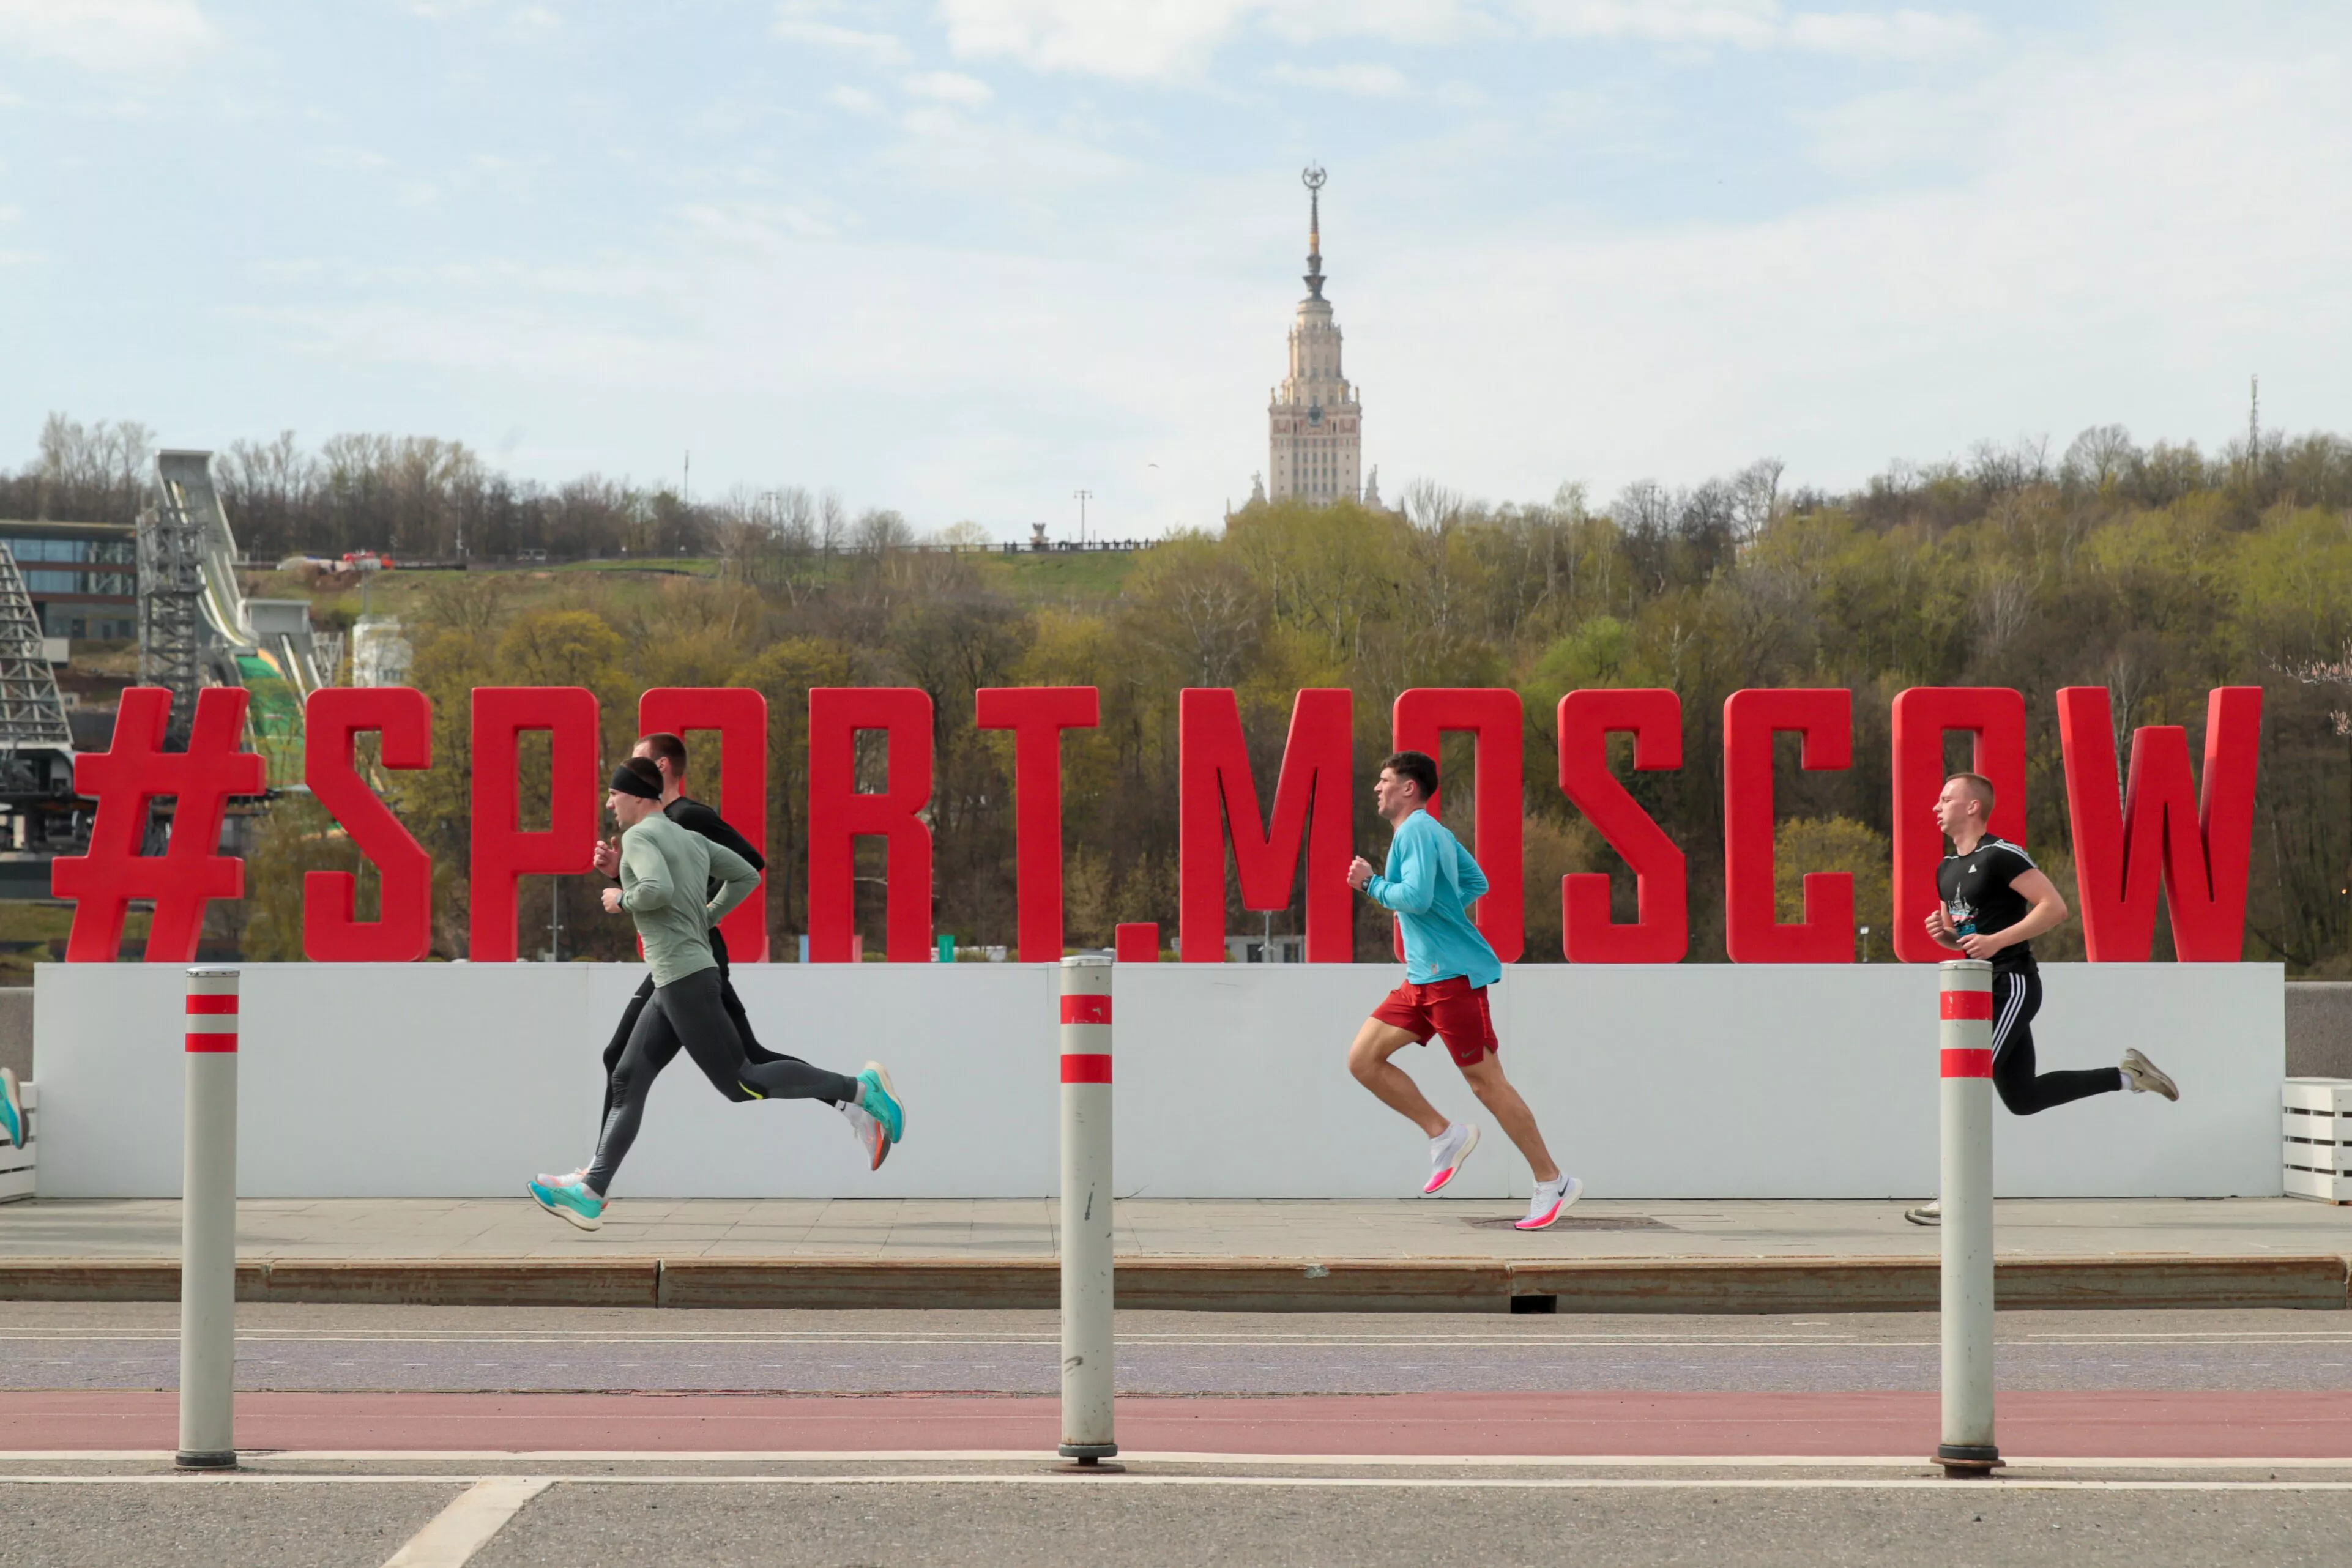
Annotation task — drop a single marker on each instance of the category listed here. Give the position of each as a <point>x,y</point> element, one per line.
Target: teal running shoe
<point>11,1110</point>
<point>879,1100</point>
<point>571,1201</point>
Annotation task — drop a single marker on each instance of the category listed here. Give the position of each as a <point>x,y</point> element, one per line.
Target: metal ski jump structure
<point>196,628</point>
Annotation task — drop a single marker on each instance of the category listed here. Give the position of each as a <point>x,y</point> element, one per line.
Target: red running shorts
<point>1452,1009</point>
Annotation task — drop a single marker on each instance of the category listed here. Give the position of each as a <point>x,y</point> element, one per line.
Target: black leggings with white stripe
<point>2016,998</point>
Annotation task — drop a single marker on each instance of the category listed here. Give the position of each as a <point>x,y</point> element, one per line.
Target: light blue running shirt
<point>1428,879</point>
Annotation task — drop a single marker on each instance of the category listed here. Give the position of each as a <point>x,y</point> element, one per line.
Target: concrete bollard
<point>208,1227</point>
<point>1087,1368</point>
<point>1966,1054</point>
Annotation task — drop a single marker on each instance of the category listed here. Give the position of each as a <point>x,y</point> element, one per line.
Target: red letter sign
<point>503,853</point>
<point>1037,716</point>
<point>122,779</point>
<point>1661,931</point>
<point>1923,716</point>
<point>839,815</point>
<point>740,714</point>
<point>401,932</point>
<point>1497,717</point>
<point>2124,849</point>
<point>1824,717</point>
<point>1314,804</point>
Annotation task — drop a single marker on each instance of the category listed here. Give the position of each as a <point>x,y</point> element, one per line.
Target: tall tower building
<point>1315,423</point>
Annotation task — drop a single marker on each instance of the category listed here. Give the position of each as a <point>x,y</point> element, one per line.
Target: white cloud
<point>949,86</point>
<point>1174,39</point>
<point>1905,35</point>
<point>103,34</point>
<point>537,19</point>
<point>1747,24</point>
<point>855,99</point>
<point>802,23</point>
<point>1362,79</point>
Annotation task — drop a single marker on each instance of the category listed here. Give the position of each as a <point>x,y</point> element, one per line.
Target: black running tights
<point>2016,998</point>
<point>689,1013</point>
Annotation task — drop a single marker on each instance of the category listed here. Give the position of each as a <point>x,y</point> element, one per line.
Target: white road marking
<point>1167,1457</point>
<point>1133,1478</point>
<point>451,1537</point>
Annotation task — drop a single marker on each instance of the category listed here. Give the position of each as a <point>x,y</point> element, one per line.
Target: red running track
<point>2282,1425</point>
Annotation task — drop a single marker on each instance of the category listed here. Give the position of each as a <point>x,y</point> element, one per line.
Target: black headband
<point>629,782</point>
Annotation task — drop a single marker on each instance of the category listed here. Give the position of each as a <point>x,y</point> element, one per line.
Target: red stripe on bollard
<point>223,1003</point>
<point>213,1043</point>
<point>1078,1068</point>
<point>1096,1010</point>
<point>1968,1005</point>
<point>1967,1063</point>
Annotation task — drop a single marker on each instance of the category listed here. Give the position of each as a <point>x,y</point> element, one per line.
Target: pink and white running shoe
<point>1553,1199</point>
<point>1446,1152</point>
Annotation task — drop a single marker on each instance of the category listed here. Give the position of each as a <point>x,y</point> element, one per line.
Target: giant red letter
<point>1497,717</point>
<point>1314,806</point>
<point>2123,849</point>
<point>740,714</point>
<point>1923,716</point>
<point>1661,930</point>
<point>1037,716</point>
<point>1751,935</point>
<point>839,815</point>
<point>502,852</point>
<point>401,932</point>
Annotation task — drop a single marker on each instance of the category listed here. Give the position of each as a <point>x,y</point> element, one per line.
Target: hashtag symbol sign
<point>191,871</point>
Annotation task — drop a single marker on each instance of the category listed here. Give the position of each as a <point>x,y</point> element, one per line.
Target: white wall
<point>1682,1081</point>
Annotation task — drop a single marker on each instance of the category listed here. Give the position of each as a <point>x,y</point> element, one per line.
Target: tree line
<point>2156,572</point>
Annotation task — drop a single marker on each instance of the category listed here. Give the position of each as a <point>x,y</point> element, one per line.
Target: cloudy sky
<point>964,256</point>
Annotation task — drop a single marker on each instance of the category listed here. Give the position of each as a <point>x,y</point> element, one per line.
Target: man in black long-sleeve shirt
<point>667,752</point>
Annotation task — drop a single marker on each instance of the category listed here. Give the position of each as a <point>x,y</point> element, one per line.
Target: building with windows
<point>83,577</point>
<point>1315,419</point>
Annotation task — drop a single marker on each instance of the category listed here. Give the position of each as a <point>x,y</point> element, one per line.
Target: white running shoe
<point>873,1137</point>
<point>2146,1077</point>
<point>566,1179</point>
<point>1552,1199</point>
<point>1446,1152</point>
<point>1927,1213</point>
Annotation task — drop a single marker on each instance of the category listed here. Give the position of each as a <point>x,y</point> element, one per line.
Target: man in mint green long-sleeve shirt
<point>1430,881</point>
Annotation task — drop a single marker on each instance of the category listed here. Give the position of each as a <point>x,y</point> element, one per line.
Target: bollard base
<point>187,1460</point>
<point>1089,1459</point>
<point>1965,1460</point>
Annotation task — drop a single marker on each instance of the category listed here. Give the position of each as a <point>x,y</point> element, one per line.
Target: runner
<point>1995,901</point>
<point>666,871</point>
<point>667,753</point>
<point>1448,966</point>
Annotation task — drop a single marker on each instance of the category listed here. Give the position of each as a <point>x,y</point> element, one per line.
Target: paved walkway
<point>892,1229</point>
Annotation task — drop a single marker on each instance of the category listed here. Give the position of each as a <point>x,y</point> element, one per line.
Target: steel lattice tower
<point>171,587</point>
<point>31,712</point>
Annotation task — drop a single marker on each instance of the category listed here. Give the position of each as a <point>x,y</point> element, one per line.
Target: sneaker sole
<point>1566,1202</point>
<point>1445,1178</point>
<point>883,1073</point>
<point>581,1220</point>
<point>2150,1078</point>
<point>1916,1217</point>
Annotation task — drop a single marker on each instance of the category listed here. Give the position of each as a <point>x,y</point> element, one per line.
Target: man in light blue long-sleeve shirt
<point>1430,881</point>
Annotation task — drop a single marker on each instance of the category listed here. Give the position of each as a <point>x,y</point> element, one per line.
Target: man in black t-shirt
<point>1995,902</point>
<point>667,752</point>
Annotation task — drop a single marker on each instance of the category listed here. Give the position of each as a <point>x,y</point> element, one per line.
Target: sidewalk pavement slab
<point>1262,1255</point>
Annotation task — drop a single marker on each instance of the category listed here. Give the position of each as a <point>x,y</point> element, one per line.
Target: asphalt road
<point>290,1511</point>
<point>135,1345</point>
<point>1173,1519</point>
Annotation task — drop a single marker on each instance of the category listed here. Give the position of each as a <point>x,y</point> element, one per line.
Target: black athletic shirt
<point>1978,896</point>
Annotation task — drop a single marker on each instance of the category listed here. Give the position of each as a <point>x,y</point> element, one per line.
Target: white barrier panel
<point>1669,1080</point>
